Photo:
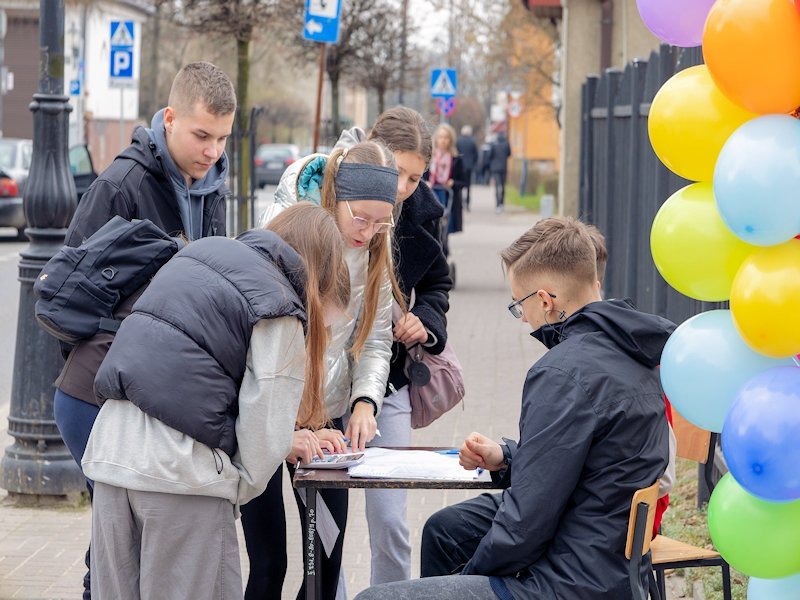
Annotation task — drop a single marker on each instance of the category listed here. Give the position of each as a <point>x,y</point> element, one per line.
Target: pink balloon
<point>677,22</point>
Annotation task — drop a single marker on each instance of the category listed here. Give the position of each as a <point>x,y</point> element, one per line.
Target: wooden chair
<point>640,527</point>
<point>698,445</point>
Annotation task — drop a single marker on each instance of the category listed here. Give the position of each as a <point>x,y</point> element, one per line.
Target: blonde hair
<point>451,135</point>
<point>314,234</point>
<point>559,246</point>
<point>380,254</point>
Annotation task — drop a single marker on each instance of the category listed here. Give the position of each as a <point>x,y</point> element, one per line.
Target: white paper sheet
<point>384,463</point>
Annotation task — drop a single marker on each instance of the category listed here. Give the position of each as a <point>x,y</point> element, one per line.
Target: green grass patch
<point>528,201</point>
<point>685,522</point>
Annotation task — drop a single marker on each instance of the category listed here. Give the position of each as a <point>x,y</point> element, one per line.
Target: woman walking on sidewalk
<point>446,174</point>
<point>201,391</point>
<point>422,269</point>
<point>358,186</point>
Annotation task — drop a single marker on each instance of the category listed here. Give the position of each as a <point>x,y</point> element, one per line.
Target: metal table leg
<point>312,562</point>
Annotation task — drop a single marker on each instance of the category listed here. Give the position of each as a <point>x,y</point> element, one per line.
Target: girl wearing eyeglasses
<point>422,269</point>
<point>359,187</point>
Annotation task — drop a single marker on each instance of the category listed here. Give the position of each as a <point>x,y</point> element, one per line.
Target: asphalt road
<point>9,301</point>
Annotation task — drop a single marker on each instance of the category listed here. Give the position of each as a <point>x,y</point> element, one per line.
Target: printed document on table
<point>384,463</point>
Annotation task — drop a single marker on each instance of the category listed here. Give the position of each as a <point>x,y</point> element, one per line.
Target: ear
<point>169,118</point>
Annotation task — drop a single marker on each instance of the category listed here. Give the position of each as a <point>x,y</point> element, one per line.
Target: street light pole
<point>38,463</point>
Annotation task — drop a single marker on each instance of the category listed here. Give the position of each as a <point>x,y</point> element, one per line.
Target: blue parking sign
<point>121,53</point>
<point>122,63</point>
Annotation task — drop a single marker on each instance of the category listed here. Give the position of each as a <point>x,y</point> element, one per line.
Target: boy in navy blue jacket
<point>592,432</point>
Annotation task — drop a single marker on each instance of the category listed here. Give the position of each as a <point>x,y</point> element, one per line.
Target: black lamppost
<point>38,463</point>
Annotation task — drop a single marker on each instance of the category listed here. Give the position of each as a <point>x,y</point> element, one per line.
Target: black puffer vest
<point>181,355</point>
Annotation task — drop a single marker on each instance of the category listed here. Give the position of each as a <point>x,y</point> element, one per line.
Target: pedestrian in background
<point>484,154</point>
<point>498,166</point>
<point>358,186</point>
<point>468,150</point>
<point>422,270</point>
<point>172,174</point>
<point>446,174</point>
<point>174,457</point>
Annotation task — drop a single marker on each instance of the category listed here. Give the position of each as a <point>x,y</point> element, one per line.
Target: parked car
<point>271,161</point>
<point>15,163</point>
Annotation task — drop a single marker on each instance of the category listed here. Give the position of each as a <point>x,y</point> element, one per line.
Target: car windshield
<point>274,153</point>
<point>8,154</point>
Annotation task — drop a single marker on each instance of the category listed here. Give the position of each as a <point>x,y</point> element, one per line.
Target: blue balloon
<point>761,436</point>
<point>786,588</point>
<point>757,180</point>
<point>704,364</point>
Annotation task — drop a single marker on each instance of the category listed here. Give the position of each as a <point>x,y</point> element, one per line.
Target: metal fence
<point>623,183</point>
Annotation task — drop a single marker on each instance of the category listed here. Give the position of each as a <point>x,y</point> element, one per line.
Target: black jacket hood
<point>640,335</point>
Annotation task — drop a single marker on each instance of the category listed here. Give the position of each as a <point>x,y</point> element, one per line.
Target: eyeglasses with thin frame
<point>362,223</point>
<point>515,307</point>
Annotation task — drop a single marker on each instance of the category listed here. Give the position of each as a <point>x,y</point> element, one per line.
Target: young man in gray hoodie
<point>173,174</point>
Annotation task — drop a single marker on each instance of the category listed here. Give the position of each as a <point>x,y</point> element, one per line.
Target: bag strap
<point>109,325</point>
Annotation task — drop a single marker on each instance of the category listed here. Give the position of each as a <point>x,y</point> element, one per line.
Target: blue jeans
<point>74,419</point>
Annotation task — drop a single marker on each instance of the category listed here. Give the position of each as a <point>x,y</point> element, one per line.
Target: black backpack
<point>79,288</point>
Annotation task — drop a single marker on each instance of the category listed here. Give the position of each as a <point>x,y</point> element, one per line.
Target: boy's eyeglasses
<point>362,223</point>
<point>515,307</point>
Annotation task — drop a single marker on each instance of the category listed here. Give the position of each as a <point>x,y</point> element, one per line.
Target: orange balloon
<point>752,49</point>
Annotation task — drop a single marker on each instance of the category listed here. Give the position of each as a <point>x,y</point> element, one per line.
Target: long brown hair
<point>380,255</point>
<point>402,129</point>
<point>314,234</point>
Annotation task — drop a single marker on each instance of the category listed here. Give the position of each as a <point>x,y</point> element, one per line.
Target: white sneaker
<point>498,210</point>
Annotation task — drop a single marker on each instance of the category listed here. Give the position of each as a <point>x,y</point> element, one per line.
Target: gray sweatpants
<point>450,587</point>
<point>152,545</point>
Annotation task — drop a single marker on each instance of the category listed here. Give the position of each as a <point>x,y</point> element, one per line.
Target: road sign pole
<point>121,119</point>
<point>319,94</point>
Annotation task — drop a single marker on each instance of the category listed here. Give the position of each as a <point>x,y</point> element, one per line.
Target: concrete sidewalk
<point>41,550</point>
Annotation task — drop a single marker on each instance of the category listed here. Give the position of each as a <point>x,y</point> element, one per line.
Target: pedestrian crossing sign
<point>443,83</point>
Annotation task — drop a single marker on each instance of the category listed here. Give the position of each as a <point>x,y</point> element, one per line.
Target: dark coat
<point>592,432</point>
<point>422,267</point>
<point>468,150</point>
<point>499,154</point>
<point>459,176</point>
<point>181,355</point>
<point>136,186</point>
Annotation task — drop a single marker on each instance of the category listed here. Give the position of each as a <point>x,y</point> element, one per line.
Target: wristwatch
<point>506,453</point>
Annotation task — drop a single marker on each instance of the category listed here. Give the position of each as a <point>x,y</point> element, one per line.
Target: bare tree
<point>379,60</point>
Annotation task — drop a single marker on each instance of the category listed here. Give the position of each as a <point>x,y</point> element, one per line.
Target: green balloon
<point>756,537</point>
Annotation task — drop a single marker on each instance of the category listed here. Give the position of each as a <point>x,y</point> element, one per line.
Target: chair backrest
<point>645,498</point>
<point>693,443</point>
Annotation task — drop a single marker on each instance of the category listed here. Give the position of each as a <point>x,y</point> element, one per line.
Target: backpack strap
<point>109,325</point>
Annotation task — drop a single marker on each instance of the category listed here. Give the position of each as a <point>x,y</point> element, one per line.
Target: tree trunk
<point>381,99</point>
<point>151,101</point>
<point>243,123</point>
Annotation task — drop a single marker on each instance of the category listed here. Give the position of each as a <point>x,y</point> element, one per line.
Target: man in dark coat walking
<point>468,150</point>
<point>498,167</point>
<point>592,432</point>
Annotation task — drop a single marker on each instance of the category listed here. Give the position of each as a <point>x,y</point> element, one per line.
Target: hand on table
<point>478,451</point>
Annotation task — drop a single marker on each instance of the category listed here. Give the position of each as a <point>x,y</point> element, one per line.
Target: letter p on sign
<point>122,63</point>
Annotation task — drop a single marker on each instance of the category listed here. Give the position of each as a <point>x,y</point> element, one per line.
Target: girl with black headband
<point>422,270</point>
<point>359,187</point>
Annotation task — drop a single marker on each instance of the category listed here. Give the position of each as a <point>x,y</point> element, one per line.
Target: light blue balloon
<point>787,588</point>
<point>757,180</point>
<point>705,363</point>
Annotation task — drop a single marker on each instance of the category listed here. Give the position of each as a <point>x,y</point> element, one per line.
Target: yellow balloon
<point>689,121</point>
<point>765,300</point>
<point>692,248</point>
